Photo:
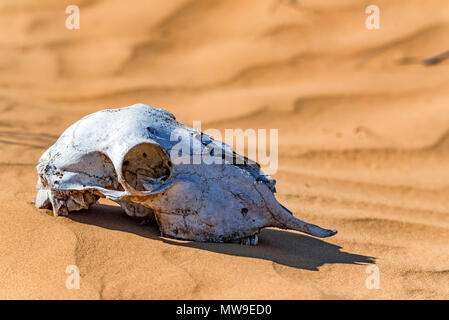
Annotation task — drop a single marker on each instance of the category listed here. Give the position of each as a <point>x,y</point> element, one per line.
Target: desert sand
<point>363,143</point>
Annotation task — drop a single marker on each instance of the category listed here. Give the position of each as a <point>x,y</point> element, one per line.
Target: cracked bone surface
<point>126,155</point>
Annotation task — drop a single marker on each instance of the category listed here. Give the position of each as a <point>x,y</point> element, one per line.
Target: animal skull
<point>129,156</point>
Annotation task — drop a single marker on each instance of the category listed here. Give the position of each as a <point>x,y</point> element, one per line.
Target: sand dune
<point>363,143</point>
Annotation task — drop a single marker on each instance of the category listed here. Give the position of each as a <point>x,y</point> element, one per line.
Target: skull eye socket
<point>145,167</point>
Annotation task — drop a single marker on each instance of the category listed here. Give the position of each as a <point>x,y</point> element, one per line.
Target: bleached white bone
<point>125,155</point>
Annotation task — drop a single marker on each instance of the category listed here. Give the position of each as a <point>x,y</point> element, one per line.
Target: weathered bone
<point>125,155</point>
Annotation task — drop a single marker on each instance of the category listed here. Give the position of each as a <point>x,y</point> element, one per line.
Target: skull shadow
<point>287,248</point>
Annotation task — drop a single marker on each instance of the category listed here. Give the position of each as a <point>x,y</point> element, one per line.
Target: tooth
<point>250,241</point>
<point>254,239</point>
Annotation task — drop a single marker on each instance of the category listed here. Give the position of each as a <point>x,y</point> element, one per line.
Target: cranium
<point>126,155</point>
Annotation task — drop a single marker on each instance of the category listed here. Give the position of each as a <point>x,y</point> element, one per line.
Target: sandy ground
<point>363,143</point>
